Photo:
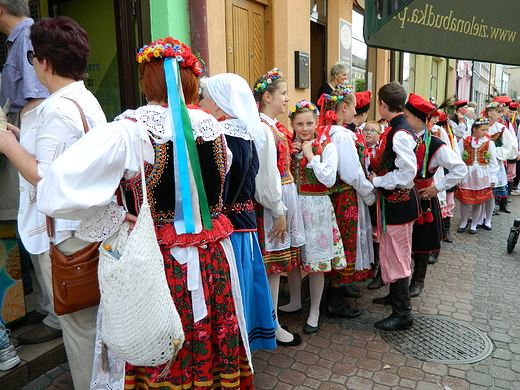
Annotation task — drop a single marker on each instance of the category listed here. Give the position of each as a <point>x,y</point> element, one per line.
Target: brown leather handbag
<point>74,277</point>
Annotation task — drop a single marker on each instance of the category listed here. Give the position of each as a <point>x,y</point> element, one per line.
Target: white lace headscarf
<point>232,94</point>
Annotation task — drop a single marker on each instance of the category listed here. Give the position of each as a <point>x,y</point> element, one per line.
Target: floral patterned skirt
<point>323,250</point>
<point>212,356</point>
<point>346,208</point>
<point>473,197</point>
<point>275,262</point>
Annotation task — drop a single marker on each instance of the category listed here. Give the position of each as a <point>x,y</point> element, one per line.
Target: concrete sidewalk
<point>475,281</point>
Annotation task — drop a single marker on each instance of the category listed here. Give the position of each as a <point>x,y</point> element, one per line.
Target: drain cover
<point>440,340</point>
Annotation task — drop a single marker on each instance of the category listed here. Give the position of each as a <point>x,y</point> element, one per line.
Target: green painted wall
<point>170,18</point>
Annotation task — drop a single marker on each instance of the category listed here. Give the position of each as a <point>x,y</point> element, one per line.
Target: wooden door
<point>245,38</point>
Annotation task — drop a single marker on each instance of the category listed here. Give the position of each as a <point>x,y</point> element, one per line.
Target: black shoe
<point>486,227</point>
<point>432,259</point>
<point>415,290</point>
<point>376,283</point>
<point>386,300</point>
<point>299,311</point>
<point>351,292</point>
<point>394,322</point>
<point>401,317</point>
<point>310,329</point>
<point>344,311</point>
<point>32,318</point>
<point>297,340</point>
<point>471,231</point>
<point>461,230</point>
<point>39,334</point>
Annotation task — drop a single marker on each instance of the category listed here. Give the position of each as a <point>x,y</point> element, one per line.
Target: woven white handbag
<point>139,320</point>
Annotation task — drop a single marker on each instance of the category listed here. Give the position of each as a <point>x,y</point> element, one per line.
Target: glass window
<point>434,78</point>
<point>409,71</point>
<point>359,53</point>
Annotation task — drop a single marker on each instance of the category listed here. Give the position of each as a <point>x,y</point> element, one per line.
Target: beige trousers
<point>79,329</point>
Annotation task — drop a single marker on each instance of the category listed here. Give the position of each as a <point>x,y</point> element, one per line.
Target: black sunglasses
<point>31,56</point>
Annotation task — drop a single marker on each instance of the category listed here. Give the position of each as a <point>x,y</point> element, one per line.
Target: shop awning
<point>479,30</point>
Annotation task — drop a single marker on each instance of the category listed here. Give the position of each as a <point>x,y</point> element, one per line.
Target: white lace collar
<point>156,120</point>
<point>236,128</point>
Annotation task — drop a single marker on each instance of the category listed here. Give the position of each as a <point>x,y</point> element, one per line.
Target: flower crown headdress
<point>303,104</point>
<point>433,101</point>
<point>272,75</point>
<point>481,121</point>
<point>170,48</point>
<point>346,90</point>
<point>495,105</point>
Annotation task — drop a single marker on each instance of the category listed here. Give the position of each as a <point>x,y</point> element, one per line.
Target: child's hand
<point>297,146</point>
<point>307,150</point>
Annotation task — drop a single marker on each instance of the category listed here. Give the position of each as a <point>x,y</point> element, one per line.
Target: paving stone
<point>502,384</point>
<point>41,382</point>
<point>385,378</point>
<point>502,373</point>
<point>479,378</point>
<point>292,377</point>
<point>357,383</point>
<point>435,368</point>
<point>407,383</point>
<point>320,373</point>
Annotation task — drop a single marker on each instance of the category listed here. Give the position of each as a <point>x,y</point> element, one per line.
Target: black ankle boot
<point>419,273</point>
<point>386,300</point>
<point>432,259</point>
<point>503,205</point>
<point>401,317</point>
<point>447,225</point>
<point>336,304</point>
<point>377,281</point>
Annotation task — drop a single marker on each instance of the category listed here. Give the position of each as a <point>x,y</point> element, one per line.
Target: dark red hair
<point>63,43</point>
<point>153,82</point>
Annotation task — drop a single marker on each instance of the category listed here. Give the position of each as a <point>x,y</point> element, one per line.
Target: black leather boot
<point>401,317</point>
<point>447,225</point>
<point>419,273</point>
<point>386,300</point>
<point>377,281</point>
<point>336,304</point>
<point>503,205</point>
<point>432,259</point>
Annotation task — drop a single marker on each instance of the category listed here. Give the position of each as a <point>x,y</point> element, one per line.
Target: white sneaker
<point>515,192</point>
<point>8,357</point>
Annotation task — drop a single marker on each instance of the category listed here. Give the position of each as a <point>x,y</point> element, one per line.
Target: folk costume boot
<point>503,205</point>
<point>401,317</point>
<point>447,225</point>
<point>336,304</point>
<point>432,259</point>
<point>377,281</point>
<point>419,273</point>
<point>386,300</point>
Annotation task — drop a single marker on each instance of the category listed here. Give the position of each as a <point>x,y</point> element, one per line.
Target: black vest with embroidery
<point>435,144</point>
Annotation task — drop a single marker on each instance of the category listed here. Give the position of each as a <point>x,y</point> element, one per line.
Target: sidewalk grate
<point>440,340</point>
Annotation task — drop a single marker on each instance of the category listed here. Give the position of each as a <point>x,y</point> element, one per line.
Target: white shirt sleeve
<point>349,168</point>
<point>268,181</point>
<point>445,157</point>
<point>493,162</point>
<point>325,170</point>
<point>85,177</point>
<point>406,163</point>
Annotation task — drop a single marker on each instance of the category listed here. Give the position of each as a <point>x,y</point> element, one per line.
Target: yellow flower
<point>293,109</point>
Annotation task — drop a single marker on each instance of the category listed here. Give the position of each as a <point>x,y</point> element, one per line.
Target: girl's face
<point>480,131</point>
<point>304,125</point>
<point>494,115</point>
<point>371,134</point>
<point>278,99</point>
<point>346,112</point>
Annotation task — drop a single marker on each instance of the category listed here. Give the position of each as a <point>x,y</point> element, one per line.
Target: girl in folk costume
<point>479,154</point>
<point>280,224</point>
<point>460,123</point>
<point>507,148</point>
<point>228,98</point>
<point>315,166</point>
<point>198,256</point>
<point>371,133</point>
<point>350,197</point>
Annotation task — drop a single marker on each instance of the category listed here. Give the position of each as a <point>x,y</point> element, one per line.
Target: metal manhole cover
<point>440,340</point>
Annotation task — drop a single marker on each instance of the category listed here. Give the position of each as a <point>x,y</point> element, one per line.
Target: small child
<point>315,167</point>
<point>479,154</point>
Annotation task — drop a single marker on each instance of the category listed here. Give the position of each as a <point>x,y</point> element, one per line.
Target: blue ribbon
<point>183,219</point>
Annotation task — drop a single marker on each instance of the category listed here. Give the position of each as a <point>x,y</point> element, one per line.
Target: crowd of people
<point>241,200</point>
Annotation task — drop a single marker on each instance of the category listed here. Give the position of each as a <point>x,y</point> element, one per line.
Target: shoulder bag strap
<point>50,221</point>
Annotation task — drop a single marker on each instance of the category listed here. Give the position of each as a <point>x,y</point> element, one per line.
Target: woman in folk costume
<point>280,223</point>
<point>186,204</point>
<point>479,155</point>
<point>315,164</point>
<point>350,197</point>
<point>228,98</point>
<point>431,153</point>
